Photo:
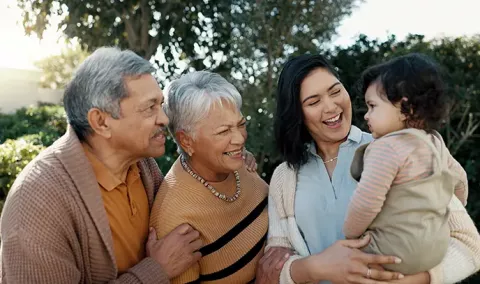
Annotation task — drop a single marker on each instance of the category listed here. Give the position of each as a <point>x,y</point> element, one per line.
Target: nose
<point>162,118</point>
<point>330,105</point>
<point>366,116</point>
<point>239,136</point>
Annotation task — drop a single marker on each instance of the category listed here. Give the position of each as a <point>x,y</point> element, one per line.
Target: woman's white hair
<point>189,99</point>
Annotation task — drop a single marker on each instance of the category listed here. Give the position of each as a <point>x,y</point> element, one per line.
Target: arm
<point>175,235</point>
<point>463,254</point>
<point>381,166</point>
<point>28,259</point>
<point>277,224</point>
<point>277,237</point>
<point>461,188</point>
<point>190,275</point>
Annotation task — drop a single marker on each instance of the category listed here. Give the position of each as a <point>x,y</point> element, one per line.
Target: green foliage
<point>228,35</point>
<point>14,156</point>
<point>58,69</point>
<point>167,160</point>
<point>48,121</point>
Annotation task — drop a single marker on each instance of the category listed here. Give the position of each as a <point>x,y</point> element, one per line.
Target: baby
<point>407,177</point>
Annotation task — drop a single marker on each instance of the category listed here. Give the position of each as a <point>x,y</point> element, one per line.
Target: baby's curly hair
<point>417,82</point>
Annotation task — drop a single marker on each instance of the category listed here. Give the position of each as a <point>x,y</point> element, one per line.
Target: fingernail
<point>287,255</point>
<point>400,276</point>
<point>398,260</point>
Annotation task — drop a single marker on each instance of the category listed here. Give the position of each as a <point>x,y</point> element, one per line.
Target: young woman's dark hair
<point>417,82</point>
<point>291,134</point>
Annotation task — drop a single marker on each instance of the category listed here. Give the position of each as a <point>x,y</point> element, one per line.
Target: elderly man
<point>79,212</point>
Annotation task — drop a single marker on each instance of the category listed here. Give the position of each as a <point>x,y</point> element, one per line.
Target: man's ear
<point>99,122</point>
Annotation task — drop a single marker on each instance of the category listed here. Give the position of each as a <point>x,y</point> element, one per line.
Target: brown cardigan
<point>54,228</point>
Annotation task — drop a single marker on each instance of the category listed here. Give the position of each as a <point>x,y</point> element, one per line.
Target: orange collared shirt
<point>127,209</point>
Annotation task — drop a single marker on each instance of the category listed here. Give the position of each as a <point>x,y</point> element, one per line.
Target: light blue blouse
<point>321,204</point>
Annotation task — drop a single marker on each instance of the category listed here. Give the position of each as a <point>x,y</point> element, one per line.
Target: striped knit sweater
<point>463,254</point>
<point>234,233</point>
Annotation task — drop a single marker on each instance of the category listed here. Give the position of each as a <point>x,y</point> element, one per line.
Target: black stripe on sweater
<point>223,240</point>
<point>244,260</point>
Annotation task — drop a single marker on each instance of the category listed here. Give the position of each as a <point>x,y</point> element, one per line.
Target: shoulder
<point>43,175</point>
<point>383,145</point>
<point>40,196</point>
<point>358,136</point>
<point>283,179</point>
<point>252,180</point>
<point>151,166</point>
<point>173,204</point>
<point>283,171</point>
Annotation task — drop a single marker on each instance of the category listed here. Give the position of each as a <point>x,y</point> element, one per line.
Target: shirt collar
<point>355,135</point>
<point>105,178</point>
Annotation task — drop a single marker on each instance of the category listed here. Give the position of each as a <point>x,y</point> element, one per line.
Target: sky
<point>375,18</point>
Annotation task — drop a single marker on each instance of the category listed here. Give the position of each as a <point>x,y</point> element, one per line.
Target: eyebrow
<point>229,125</point>
<point>328,90</point>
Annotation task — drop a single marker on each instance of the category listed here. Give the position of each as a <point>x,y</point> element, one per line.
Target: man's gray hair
<point>189,99</point>
<point>99,83</point>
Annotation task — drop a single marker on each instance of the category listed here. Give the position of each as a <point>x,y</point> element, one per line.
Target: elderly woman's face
<point>220,139</point>
<point>140,130</point>
<point>326,105</point>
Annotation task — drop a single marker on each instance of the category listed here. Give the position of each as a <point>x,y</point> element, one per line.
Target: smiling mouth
<point>334,120</point>
<point>234,153</point>
<point>159,133</point>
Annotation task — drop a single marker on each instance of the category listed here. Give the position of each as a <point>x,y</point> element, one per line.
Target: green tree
<point>14,156</point>
<point>47,121</point>
<point>58,69</point>
<point>247,41</point>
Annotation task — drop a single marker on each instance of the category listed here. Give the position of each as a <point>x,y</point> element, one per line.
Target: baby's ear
<point>404,101</point>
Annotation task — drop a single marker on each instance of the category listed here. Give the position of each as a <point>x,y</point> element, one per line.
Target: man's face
<point>141,128</point>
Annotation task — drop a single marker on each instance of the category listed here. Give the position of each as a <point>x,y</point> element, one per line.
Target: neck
<point>328,150</point>
<point>116,161</point>
<point>206,173</point>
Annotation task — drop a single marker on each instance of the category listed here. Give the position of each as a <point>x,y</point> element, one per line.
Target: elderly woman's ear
<point>250,162</point>
<point>185,142</point>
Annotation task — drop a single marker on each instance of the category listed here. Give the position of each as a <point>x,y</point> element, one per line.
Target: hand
<point>344,263</point>
<point>177,251</point>
<point>271,264</point>
<point>419,278</point>
<point>250,162</point>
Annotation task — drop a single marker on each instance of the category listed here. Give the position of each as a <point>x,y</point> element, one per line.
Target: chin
<point>156,153</point>
<point>234,166</point>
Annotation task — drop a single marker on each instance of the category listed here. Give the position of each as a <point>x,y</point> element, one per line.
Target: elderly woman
<point>209,187</point>
<point>310,191</point>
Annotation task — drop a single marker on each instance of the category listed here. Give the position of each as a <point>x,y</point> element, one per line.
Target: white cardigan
<point>463,254</point>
